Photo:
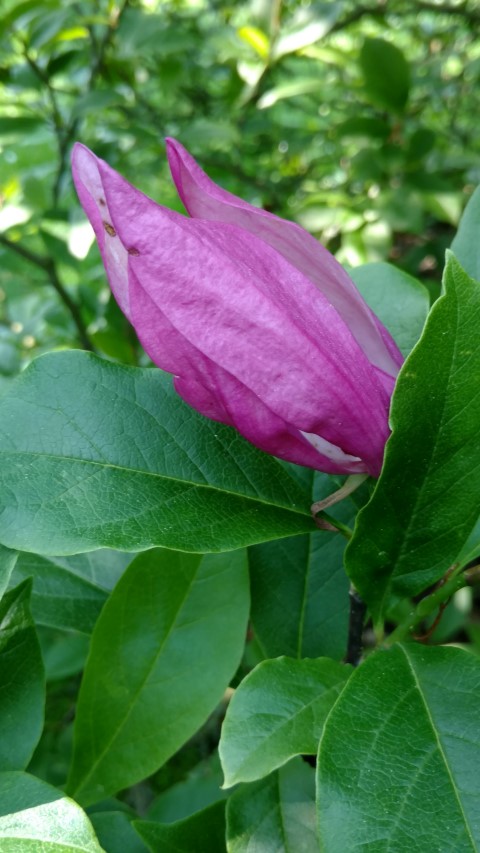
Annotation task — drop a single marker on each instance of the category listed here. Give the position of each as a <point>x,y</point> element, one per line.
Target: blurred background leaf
<point>356,120</point>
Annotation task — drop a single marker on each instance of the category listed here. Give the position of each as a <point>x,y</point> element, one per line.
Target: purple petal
<point>252,341</point>
<point>203,199</point>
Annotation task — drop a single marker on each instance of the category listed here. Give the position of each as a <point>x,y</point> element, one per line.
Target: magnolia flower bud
<point>260,326</point>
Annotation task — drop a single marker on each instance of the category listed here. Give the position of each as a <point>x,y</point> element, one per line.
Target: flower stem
<point>350,485</point>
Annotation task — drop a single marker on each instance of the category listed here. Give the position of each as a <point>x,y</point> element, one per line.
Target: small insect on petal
<point>109,229</point>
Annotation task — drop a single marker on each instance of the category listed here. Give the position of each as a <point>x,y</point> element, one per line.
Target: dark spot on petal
<point>109,229</point>
<point>133,251</point>
<point>102,202</point>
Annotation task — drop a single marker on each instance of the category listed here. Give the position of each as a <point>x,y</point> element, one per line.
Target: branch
<point>461,10</point>
<point>359,12</point>
<point>69,131</point>
<point>100,48</point>
<point>358,609</point>
<point>48,267</point>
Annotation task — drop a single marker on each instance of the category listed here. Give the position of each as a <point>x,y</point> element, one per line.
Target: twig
<point>358,609</point>
<point>359,12</point>
<point>66,134</point>
<point>462,10</point>
<point>48,266</point>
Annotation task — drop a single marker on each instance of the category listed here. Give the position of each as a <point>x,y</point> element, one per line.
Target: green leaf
<point>22,680</point>
<point>302,86</point>
<point>275,814</point>
<point>37,818</point>
<point>465,245</point>
<point>69,592</point>
<point>201,788</point>
<point>386,73</point>
<point>13,127</point>
<point>420,144</point>
<point>308,614</point>
<point>115,832</point>
<point>364,126</point>
<point>8,559</point>
<point>203,831</point>
<point>277,712</point>
<point>398,300</point>
<point>399,759</point>
<point>426,501</point>
<point>308,26</point>
<point>64,653</point>
<point>257,40</point>
<point>471,548</point>
<point>94,454</point>
<point>164,648</point>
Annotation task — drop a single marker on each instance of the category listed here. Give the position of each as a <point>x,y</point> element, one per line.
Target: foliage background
<point>281,102</point>
<point>357,120</point>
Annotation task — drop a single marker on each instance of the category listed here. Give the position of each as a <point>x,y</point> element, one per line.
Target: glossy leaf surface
<point>277,813</point>
<point>277,712</point>
<point>69,592</point>
<point>165,646</point>
<point>37,818</point>
<point>299,586</point>
<point>114,458</point>
<point>425,504</point>
<point>399,760</point>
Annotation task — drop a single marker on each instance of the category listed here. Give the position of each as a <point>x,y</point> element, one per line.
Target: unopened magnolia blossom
<point>260,326</point>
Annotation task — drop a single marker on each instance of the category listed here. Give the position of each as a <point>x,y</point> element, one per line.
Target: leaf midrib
<point>186,482</point>
<point>141,687</point>
<point>287,722</point>
<point>439,746</point>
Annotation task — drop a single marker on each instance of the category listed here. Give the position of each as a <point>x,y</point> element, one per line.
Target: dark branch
<point>49,268</point>
<point>66,134</point>
<point>358,609</point>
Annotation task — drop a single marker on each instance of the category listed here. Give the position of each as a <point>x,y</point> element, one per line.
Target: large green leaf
<point>300,589</point>
<point>466,245</point>
<point>69,592</point>
<point>398,300</point>
<point>277,712</point>
<point>386,73</point>
<point>399,760</point>
<point>202,832</point>
<point>164,648</point>
<point>22,680</point>
<point>94,454</point>
<point>37,818</point>
<point>425,504</point>
<point>275,814</point>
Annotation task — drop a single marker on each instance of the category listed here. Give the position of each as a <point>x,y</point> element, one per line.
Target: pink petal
<point>203,199</point>
<point>252,341</point>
